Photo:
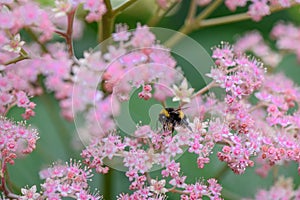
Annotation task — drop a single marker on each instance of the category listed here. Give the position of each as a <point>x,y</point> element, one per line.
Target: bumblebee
<point>171,117</point>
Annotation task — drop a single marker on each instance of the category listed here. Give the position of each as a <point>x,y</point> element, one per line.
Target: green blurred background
<point>56,133</point>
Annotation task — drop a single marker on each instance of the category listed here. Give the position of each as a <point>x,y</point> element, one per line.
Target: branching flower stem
<point>3,186</point>
<point>201,21</point>
<point>105,25</point>
<point>160,13</point>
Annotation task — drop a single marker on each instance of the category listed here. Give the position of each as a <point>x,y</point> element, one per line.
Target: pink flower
<point>158,186</point>
<point>30,193</point>
<point>286,36</point>
<point>254,42</point>
<point>96,9</point>
<point>259,9</point>
<point>6,18</point>
<point>16,139</point>
<point>142,37</point>
<point>67,180</point>
<point>122,33</point>
<point>233,4</point>
<point>203,2</point>
<point>15,44</point>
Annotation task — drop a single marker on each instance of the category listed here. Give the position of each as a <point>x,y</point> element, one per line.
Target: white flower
<point>29,194</point>
<point>15,45</point>
<point>183,93</point>
<point>158,187</point>
<point>199,126</point>
<point>61,7</point>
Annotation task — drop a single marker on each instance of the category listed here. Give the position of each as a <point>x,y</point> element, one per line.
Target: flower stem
<point>221,172</point>
<point>184,30</point>
<point>69,33</point>
<point>234,18</point>
<point>3,186</point>
<point>201,22</point>
<point>123,7</point>
<point>108,184</point>
<point>15,60</point>
<point>191,24</point>
<point>178,191</point>
<point>160,13</point>
<point>205,89</point>
<point>192,11</point>
<point>209,9</point>
<point>105,26</point>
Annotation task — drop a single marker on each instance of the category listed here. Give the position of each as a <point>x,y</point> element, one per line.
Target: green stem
<point>108,184</point>
<point>108,5</point>
<point>209,9</point>
<point>184,30</point>
<point>233,18</point>
<point>106,26</point>
<point>160,14</point>
<point>123,7</point>
<point>224,20</point>
<point>15,60</point>
<point>156,17</point>
<point>201,22</point>
<point>192,11</point>
<point>222,171</point>
<point>191,24</point>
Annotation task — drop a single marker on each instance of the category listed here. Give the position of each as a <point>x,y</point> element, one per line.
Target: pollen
<point>165,112</point>
<point>181,114</point>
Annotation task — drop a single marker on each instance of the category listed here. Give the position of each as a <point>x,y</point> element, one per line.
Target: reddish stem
<point>3,186</point>
<point>177,191</point>
<point>68,35</point>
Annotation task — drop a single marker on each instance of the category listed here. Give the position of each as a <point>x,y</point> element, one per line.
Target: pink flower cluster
<point>15,91</point>
<point>146,93</point>
<point>238,74</point>
<point>15,15</point>
<point>138,61</point>
<point>286,36</point>
<point>282,189</point>
<point>134,61</point>
<point>257,8</point>
<point>252,130</point>
<point>140,154</point>
<point>69,180</point>
<point>96,8</point>
<point>254,42</point>
<point>55,66</point>
<point>15,139</point>
<point>278,98</point>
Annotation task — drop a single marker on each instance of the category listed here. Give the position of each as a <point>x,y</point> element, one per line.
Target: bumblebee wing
<point>185,123</point>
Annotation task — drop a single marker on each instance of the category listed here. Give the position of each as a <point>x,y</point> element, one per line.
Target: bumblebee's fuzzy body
<point>170,117</point>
